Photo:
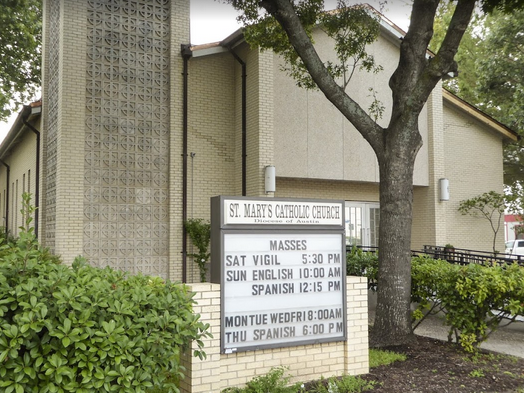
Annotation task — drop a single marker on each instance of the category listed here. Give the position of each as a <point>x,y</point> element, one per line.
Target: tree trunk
<point>396,147</point>
<point>392,324</point>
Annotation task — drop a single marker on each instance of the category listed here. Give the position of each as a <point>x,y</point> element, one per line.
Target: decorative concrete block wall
<point>305,362</point>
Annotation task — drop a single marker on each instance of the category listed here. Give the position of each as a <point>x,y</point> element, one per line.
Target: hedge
<point>475,299</point>
<point>85,329</point>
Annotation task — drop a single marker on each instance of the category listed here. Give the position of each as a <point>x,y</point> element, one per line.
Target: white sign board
<point>282,288</point>
<point>280,212</point>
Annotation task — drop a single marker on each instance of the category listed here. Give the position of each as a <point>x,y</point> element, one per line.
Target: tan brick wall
<point>323,189</point>
<point>213,156</point>
<point>429,213</point>
<point>179,34</point>
<point>260,109</point>
<point>215,130</point>
<point>68,108</point>
<point>304,362</point>
<point>474,166</point>
<point>22,178</point>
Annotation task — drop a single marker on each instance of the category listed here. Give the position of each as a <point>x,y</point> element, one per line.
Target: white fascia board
<point>209,51</point>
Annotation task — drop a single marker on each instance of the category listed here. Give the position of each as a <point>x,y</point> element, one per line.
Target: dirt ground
<point>437,366</point>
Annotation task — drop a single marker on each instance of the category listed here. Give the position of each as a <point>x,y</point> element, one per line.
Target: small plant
<point>276,381</point>
<point>477,373</point>
<point>378,357</point>
<point>490,206</point>
<point>344,384</point>
<point>5,237</point>
<point>199,230</point>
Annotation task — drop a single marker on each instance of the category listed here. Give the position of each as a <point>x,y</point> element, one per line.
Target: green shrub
<point>199,230</point>
<point>275,382</point>
<point>474,298</point>
<point>84,329</point>
<point>5,237</point>
<point>363,264</point>
<point>344,384</point>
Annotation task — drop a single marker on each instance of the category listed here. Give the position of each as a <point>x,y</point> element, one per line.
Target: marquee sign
<point>283,283</point>
<point>270,212</point>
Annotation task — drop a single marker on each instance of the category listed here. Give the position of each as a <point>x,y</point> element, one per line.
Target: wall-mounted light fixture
<point>270,176</point>
<point>443,189</point>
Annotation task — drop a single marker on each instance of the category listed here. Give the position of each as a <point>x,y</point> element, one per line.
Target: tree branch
<point>413,49</point>
<point>444,62</point>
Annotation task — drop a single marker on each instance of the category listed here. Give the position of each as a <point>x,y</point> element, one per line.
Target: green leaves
<point>84,329</point>
<point>474,298</point>
<point>490,206</point>
<point>199,230</point>
<point>20,53</point>
<point>363,264</point>
<point>490,64</point>
<point>351,28</point>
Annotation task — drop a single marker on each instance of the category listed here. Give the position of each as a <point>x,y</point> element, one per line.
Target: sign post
<point>282,269</point>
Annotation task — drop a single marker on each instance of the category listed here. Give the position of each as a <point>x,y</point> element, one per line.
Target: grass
<point>383,358</point>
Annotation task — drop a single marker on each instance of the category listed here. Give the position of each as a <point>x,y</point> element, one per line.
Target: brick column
<point>204,376</point>
<point>260,108</point>
<point>304,362</point>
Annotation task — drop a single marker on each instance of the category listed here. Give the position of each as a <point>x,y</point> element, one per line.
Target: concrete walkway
<point>508,340</point>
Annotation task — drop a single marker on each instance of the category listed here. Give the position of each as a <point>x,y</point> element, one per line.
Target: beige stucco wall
<point>22,178</point>
<point>313,139</point>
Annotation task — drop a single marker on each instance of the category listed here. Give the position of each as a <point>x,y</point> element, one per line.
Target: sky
<point>214,20</point>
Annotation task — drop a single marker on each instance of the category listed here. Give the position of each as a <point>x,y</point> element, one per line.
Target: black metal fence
<point>464,256</point>
<point>459,256</point>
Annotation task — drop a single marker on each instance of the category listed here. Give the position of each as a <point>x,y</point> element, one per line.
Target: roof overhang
<point>230,42</point>
<point>26,114</point>
<point>506,132</point>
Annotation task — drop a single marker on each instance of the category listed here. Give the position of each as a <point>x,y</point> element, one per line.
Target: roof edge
<point>479,115</point>
<point>33,109</point>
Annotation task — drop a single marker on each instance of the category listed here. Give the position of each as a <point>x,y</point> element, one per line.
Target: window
<point>362,223</point>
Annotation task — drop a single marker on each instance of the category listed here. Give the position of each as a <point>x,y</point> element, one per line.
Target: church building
<point>137,129</point>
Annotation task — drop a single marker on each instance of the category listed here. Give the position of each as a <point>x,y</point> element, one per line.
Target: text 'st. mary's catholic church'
<point>137,129</point>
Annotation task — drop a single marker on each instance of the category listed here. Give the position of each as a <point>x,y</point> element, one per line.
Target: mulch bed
<point>436,366</point>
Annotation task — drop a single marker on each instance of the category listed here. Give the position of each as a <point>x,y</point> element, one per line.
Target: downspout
<point>244,121</point>
<point>7,197</point>
<point>37,181</point>
<point>186,55</point>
